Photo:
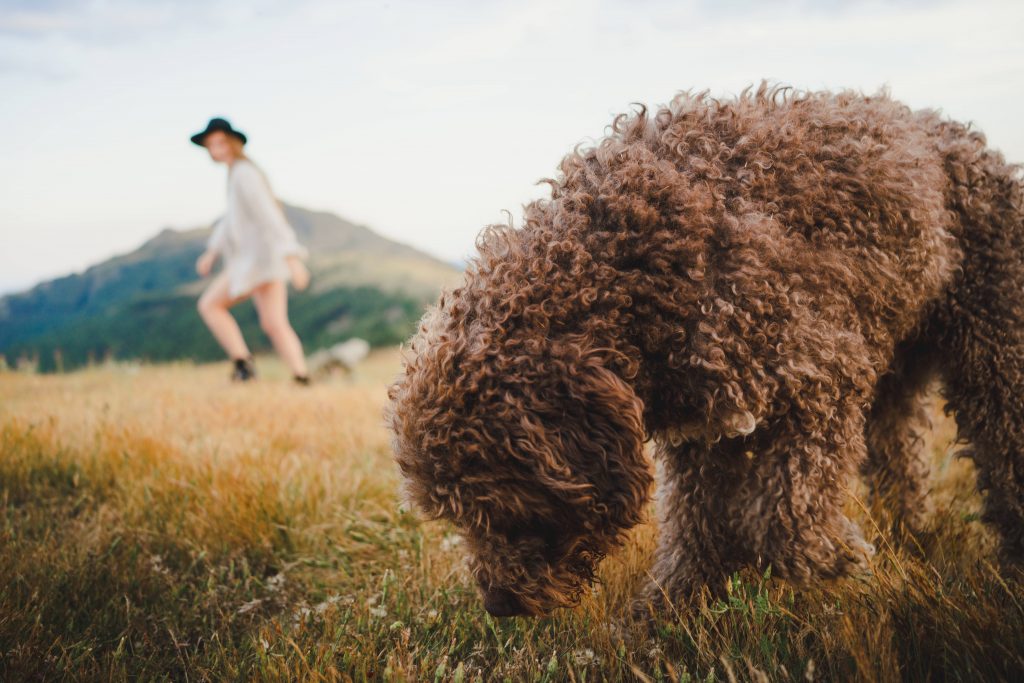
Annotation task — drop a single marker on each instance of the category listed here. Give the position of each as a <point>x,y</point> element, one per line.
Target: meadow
<point>159,522</point>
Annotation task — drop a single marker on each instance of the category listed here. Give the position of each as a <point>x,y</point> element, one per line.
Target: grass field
<point>160,522</point>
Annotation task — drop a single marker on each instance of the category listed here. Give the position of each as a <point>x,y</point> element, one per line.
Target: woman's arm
<point>214,246</point>
<point>215,243</point>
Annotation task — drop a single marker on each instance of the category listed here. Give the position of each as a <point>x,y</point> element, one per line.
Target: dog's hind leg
<point>898,464</point>
<point>980,333</point>
<point>984,386</point>
<point>980,328</point>
<point>984,377</point>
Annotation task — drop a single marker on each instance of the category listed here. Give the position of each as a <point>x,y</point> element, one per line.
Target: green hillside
<point>141,305</point>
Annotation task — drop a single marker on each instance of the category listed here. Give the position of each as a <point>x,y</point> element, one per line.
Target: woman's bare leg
<point>213,308</point>
<point>271,300</point>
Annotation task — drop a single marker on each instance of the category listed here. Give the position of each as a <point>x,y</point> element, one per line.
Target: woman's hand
<point>299,272</point>
<point>204,264</point>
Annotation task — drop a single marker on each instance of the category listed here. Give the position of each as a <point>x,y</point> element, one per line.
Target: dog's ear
<point>589,441</point>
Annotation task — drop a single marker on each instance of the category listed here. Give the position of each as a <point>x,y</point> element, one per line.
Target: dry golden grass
<point>160,522</point>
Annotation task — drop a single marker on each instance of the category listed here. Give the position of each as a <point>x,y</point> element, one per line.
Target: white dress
<point>253,236</point>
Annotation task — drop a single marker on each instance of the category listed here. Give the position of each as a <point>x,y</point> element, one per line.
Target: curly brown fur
<point>897,463</point>
<point>739,280</point>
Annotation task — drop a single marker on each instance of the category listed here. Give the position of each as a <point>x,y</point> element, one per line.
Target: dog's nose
<point>501,602</point>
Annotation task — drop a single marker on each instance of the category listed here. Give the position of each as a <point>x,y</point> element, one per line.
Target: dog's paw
<point>857,550</point>
<point>662,601</point>
<point>649,603</point>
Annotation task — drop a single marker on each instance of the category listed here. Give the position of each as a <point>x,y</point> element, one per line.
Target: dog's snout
<point>501,602</point>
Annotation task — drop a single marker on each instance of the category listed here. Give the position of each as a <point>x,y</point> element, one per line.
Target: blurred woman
<point>260,254</point>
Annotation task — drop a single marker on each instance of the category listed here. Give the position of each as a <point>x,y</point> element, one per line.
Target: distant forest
<point>162,328</point>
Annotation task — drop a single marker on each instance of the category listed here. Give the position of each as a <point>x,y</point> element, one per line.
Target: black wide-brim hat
<point>221,125</point>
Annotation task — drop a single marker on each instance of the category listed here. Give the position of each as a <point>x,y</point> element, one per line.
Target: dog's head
<point>532,448</point>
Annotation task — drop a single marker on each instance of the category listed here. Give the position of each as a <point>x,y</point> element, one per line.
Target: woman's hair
<point>237,147</point>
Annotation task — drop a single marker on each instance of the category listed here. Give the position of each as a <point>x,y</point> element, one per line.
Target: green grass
<point>158,522</point>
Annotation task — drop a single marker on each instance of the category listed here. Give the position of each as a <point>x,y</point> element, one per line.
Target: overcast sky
<point>423,120</point>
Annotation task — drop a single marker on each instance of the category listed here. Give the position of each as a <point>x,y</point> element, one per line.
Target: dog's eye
<point>525,529</point>
<point>516,532</point>
<point>545,535</point>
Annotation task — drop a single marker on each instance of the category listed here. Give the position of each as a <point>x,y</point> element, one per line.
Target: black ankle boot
<point>301,380</point>
<point>244,370</point>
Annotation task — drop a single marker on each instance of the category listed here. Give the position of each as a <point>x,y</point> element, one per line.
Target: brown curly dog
<point>764,286</point>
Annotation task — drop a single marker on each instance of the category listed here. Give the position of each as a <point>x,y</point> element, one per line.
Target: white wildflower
<point>450,542</point>
<point>322,607</point>
<point>301,612</point>
<point>249,606</point>
<point>275,582</point>
<point>584,657</point>
<point>156,563</point>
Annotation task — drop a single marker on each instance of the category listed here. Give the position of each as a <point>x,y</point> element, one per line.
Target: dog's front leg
<point>696,546</point>
<point>773,498</point>
<point>790,504</point>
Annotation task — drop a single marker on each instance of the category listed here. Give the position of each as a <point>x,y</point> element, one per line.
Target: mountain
<point>142,304</point>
